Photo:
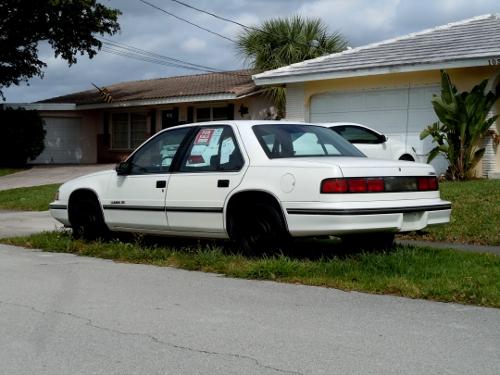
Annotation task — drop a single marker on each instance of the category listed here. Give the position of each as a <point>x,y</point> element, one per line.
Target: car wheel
<point>407,157</point>
<point>370,241</point>
<point>259,230</point>
<point>87,221</point>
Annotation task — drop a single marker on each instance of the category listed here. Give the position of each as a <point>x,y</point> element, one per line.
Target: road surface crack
<point>90,323</point>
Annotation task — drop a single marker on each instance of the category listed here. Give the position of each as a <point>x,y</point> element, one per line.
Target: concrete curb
<point>446,245</point>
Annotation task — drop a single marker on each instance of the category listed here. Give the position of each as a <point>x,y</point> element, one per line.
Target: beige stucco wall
<point>463,78</point>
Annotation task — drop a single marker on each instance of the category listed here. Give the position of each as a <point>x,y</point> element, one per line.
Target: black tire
<point>258,230</point>
<point>407,157</point>
<point>86,219</point>
<point>369,241</point>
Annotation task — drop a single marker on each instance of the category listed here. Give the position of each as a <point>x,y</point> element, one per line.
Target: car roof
<point>241,123</point>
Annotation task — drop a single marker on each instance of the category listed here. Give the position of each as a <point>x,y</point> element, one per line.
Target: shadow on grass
<point>298,249</point>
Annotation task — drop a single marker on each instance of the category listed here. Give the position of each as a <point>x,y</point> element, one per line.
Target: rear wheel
<point>86,219</point>
<point>407,157</point>
<point>370,241</point>
<point>258,230</point>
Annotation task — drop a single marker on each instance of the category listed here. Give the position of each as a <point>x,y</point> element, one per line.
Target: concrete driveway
<point>63,314</point>
<point>49,174</point>
<point>14,223</point>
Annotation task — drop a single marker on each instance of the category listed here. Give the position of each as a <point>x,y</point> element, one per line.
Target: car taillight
<point>375,184</point>
<point>427,183</point>
<point>334,185</point>
<point>357,185</point>
<point>378,184</point>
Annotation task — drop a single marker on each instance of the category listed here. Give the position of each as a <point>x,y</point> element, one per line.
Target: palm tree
<point>284,41</point>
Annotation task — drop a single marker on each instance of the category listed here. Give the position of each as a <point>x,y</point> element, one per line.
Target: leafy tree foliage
<point>284,41</point>
<point>67,25</point>
<point>463,122</point>
<point>22,137</point>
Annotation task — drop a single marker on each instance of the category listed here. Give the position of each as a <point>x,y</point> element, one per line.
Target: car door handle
<point>223,183</point>
<point>161,184</point>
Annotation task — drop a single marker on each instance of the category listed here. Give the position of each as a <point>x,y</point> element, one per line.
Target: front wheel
<point>87,221</point>
<point>407,157</point>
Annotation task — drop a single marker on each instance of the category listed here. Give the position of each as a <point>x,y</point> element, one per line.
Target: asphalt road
<point>62,314</point>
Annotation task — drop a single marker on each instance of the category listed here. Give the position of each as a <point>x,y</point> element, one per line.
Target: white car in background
<point>373,143</point>
<point>257,183</point>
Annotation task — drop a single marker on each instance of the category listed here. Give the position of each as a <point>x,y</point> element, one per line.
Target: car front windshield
<point>300,140</point>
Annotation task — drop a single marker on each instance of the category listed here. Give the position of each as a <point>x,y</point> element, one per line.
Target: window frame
<point>129,130</point>
<point>379,138</point>
<point>344,147</point>
<point>175,160</point>
<point>211,108</point>
<point>187,147</point>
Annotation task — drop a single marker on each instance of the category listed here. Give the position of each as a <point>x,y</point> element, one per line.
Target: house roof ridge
<point>183,76</point>
<point>379,43</point>
<point>235,82</point>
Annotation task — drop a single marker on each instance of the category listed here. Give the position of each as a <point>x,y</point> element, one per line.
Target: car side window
<point>355,134</point>
<point>213,148</point>
<point>157,155</point>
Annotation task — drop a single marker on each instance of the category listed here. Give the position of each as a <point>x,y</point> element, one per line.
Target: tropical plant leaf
<point>464,119</point>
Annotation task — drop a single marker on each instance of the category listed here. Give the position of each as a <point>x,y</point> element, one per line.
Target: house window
<point>128,130</point>
<point>211,114</point>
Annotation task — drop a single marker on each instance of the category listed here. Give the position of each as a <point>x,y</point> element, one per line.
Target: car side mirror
<point>382,138</point>
<point>123,168</point>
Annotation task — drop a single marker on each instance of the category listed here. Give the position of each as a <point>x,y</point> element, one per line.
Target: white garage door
<point>62,141</point>
<point>399,113</point>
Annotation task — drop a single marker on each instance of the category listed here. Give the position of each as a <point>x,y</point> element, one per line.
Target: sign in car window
<point>226,149</point>
<point>205,145</point>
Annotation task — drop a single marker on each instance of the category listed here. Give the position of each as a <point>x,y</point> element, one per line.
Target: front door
<point>135,199</point>
<point>211,168</point>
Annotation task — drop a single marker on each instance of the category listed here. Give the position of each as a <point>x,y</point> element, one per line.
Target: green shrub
<point>463,122</point>
<point>22,137</point>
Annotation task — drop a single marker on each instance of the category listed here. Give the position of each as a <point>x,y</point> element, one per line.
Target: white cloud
<point>193,45</point>
<point>355,19</point>
<point>360,21</point>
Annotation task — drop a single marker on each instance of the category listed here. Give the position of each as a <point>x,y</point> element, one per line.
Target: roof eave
<point>307,77</point>
<point>43,106</point>
<point>164,101</point>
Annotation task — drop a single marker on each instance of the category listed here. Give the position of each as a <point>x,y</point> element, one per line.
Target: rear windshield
<point>290,140</point>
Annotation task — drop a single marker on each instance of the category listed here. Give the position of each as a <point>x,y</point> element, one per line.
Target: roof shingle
<point>237,82</point>
<point>477,37</point>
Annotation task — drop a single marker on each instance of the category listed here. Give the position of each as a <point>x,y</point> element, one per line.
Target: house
<point>104,125</point>
<point>389,85</point>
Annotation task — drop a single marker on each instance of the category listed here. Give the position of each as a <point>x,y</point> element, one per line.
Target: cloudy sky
<point>360,21</point>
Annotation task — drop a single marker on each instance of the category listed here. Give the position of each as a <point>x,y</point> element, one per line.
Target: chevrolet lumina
<point>256,183</point>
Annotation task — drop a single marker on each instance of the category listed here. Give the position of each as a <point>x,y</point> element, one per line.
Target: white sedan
<point>373,143</point>
<point>255,182</point>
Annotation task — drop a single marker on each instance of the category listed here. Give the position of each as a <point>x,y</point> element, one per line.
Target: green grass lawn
<point>6,171</point>
<point>441,275</point>
<point>36,198</point>
<point>475,214</point>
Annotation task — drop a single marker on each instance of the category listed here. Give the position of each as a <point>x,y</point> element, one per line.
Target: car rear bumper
<point>377,217</point>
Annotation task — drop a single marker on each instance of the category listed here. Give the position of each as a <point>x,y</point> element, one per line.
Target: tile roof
<point>463,41</point>
<point>237,83</point>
